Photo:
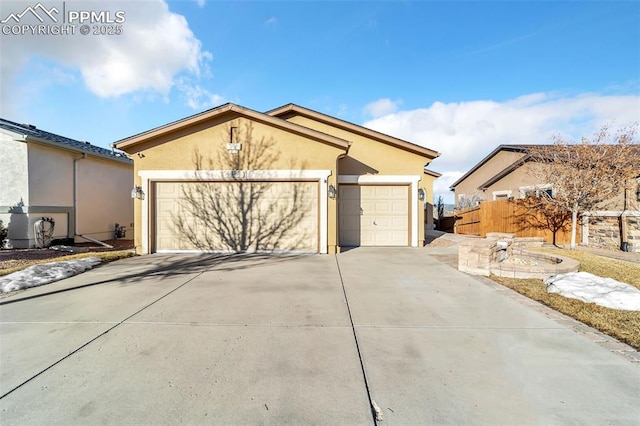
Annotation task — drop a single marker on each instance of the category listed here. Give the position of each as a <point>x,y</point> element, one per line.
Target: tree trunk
<point>574,226</point>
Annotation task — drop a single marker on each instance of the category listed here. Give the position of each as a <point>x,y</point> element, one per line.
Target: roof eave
<point>258,116</point>
<point>26,138</point>
<point>364,131</point>
<point>432,173</point>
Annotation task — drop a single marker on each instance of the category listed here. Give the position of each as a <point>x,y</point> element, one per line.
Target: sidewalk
<point>619,255</point>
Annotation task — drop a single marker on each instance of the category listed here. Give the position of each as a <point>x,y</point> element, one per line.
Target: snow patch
<point>587,287</point>
<point>37,275</point>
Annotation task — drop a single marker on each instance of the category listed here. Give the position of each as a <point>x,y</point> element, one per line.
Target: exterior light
<point>137,192</point>
<point>421,194</point>
<point>638,193</point>
<point>331,191</point>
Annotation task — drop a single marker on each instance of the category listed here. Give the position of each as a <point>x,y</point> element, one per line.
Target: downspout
<point>75,204</point>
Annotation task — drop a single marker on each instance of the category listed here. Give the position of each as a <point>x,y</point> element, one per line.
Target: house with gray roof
<point>83,188</point>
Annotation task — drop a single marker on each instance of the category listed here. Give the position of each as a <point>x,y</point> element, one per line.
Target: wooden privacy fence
<point>510,216</point>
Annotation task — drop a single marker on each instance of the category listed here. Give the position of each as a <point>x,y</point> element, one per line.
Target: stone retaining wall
<point>507,256</point>
<point>605,232</point>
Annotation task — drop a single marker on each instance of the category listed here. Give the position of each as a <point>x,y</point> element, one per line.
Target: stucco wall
<point>50,176</point>
<point>523,176</point>
<point>42,177</point>
<point>470,185</point>
<point>370,157</point>
<point>13,173</point>
<point>104,198</point>
<point>176,151</point>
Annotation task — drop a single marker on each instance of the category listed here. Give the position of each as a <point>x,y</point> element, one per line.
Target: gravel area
<point>10,258</point>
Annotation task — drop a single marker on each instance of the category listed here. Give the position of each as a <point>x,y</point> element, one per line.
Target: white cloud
<point>271,21</point>
<point>197,97</point>
<point>201,3</point>
<point>155,46</point>
<point>442,184</point>
<point>381,107</point>
<point>465,132</point>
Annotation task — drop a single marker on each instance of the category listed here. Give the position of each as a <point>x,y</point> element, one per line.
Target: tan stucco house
<point>507,173</point>
<point>292,179</point>
<point>84,188</point>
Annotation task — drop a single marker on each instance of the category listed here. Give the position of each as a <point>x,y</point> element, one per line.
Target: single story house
<point>291,179</point>
<point>84,188</point>
<point>507,173</point>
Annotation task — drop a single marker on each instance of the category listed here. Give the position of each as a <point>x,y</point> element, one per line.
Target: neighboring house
<point>478,184</point>
<point>84,188</point>
<point>506,173</point>
<point>349,185</point>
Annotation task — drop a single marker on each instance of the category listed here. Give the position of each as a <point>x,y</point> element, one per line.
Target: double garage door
<point>235,216</point>
<point>273,216</point>
<point>374,215</point>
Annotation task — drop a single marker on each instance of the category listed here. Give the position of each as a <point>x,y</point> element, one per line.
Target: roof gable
<point>30,133</point>
<point>292,109</point>
<point>505,172</point>
<point>512,148</point>
<point>220,111</point>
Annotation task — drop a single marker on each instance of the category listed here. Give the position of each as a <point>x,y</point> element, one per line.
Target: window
<point>502,195</point>
<point>536,191</point>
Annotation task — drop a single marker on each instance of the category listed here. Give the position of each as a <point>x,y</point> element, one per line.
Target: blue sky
<point>458,77</point>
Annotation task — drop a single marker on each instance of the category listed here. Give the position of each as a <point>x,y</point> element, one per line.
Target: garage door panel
<point>374,215</point>
<point>275,220</point>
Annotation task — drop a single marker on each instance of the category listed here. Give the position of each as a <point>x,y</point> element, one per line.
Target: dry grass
<point>626,272</point>
<point>622,325</point>
<point>104,256</point>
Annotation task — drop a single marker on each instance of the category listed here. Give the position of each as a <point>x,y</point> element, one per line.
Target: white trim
<point>151,176</point>
<point>542,187</point>
<point>496,194</point>
<point>360,179</point>
<point>392,179</point>
<point>221,175</point>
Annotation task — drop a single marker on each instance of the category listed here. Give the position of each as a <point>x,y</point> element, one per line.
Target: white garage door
<point>236,216</point>
<point>374,215</point>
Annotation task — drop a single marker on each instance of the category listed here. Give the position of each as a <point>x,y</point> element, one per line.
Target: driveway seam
<point>97,337</point>
<point>372,405</point>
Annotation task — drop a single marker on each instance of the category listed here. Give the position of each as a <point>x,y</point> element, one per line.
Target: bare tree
<point>440,210</point>
<point>585,174</point>
<point>242,214</point>
<point>469,201</point>
<point>538,213</point>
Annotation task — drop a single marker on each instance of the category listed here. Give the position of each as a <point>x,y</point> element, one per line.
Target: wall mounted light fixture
<point>137,192</point>
<point>421,194</point>
<point>638,193</point>
<point>331,191</point>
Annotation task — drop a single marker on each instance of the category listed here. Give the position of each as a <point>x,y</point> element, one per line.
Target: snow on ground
<point>46,273</point>
<point>587,287</point>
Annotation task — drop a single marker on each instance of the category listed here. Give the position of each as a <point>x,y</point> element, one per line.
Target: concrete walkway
<point>298,340</point>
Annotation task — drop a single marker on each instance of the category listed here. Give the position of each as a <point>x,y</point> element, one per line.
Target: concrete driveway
<point>169,339</point>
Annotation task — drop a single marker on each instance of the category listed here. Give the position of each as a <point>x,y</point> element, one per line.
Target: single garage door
<point>374,215</point>
<point>236,216</point>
